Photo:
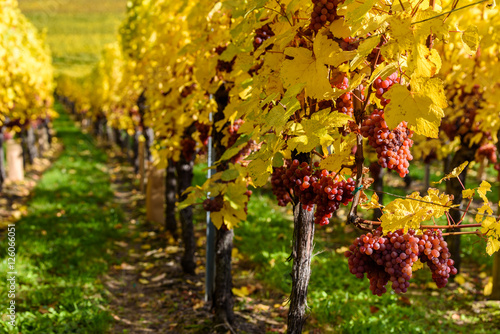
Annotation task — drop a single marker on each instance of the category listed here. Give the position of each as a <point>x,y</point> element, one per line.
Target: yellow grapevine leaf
<point>492,246</point>
<point>421,107</point>
<point>470,37</point>
<point>426,62</point>
<point>481,215</point>
<point>372,204</point>
<point>339,29</point>
<point>484,187</point>
<point>217,219</point>
<point>259,171</point>
<point>303,68</point>
<point>468,193</point>
<point>328,52</point>
<point>342,154</point>
<point>454,173</point>
<point>410,212</point>
<point>356,11</point>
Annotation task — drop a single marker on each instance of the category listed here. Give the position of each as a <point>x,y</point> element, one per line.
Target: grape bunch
<point>261,34</point>
<point>188,148</point>
<point>392,146</point>
<point>324,11</point>
<point>330,193</point>
<point>391,257</point>
<point>437,256</point>
<point>344,104</point>
<point>382,86</point>
<point>213,204</point>
<point>488,151</point>
<point>312,186</point>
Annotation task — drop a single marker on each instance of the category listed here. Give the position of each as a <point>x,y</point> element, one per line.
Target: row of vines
<point>320,98</point>
<point>26,81</point>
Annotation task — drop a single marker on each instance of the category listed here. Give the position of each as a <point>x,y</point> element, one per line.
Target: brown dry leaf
<point>374,309</point>
<point>158,278</point>
<point>121,244</point>
<point>198,305</point>
<point>125,266</point>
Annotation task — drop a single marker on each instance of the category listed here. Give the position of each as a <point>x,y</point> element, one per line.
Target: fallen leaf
<point>159,277</point>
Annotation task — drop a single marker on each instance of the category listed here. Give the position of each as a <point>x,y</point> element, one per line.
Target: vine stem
<point>425,227</point>
<point>359,158</point>
<point>462,232</point>
<point>449,12</point>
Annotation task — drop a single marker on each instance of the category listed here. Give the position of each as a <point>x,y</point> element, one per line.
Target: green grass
<point>77,30</point>
<point>62,243</point>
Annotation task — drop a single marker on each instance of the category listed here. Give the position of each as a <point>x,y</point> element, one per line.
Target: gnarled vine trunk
<point>185,177</point>
<point>223,296</point>
<point>170,199</point>
<point>303,238</point>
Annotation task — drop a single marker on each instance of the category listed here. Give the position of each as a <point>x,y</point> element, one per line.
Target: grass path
<point>62,243</point>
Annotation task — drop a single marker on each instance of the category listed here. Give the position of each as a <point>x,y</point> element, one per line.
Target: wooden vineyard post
<point>155,196</point>
<point>15,165</point>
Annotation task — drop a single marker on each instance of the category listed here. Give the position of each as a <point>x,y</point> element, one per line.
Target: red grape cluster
<point>488,151</point>
<point>392,146</point>
<point>188,148</point>
<point>437,256</point>
<point>312,186</point>
<point>214,204</point>
<point>345,104</point>
<point>204,132</point>
<point>382,86</point>
<point>330,193</point>
<point>261,34</point>
<point>324,11</point>
<point>391,257</point>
